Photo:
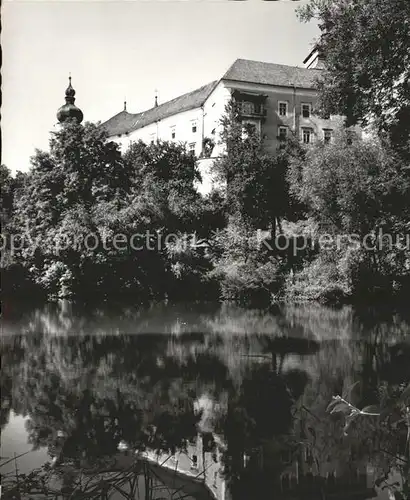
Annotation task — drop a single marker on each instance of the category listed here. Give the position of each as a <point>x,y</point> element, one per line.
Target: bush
<point>320,280</point>
<point>247,274</point>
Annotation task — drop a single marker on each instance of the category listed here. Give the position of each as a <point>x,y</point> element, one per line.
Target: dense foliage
<point>91,221</point>
<point>324,222</point>
<point>327,222</point>
<point>357,193</point>
<point>366,45</point>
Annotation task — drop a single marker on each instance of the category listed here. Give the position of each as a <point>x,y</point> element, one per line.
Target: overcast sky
<point>127,49</point>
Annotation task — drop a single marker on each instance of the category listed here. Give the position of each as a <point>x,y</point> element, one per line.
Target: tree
<point>81,169</point>
<point>83,195</point>
<point>163,183</point>
<point>352,185</point>
<point>366,45</point>
<point>257,188</point>
<point>7,188</point>
<point>358,193</point>
<point>10,187</point>
<point>257,199</point>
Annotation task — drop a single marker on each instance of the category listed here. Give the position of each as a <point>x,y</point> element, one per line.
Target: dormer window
<point>194,127</point>
<point>306,110</point>
<point>173,132</point>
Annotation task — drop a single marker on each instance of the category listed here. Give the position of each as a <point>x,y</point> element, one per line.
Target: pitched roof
<point>125,122</point>
<point>120,123</point>
<point>244,70</point>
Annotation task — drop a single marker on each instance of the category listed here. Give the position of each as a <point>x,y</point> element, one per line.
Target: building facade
<point>277,100</point>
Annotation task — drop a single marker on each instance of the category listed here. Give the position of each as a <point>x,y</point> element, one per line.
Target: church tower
<point>69,109</point>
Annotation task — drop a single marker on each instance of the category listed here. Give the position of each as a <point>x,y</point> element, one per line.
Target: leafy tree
<point>366,44</point>
<point>257,197</point>
<point>55,206</point>
<point>357,191</point>
<point>10,189</point>
<point>256,181</point>
<point>246,271</point>
<point>352,185</point>
<point>7,188</point>
<point>82,196</point>
<point>163,183</point>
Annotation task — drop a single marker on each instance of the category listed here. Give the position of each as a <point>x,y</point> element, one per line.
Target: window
<point>283,108</point>
<point>282,133</point>
<point>193,127</point>
<point>173,133</point>
<point>306,110</point>
<point>327,135</point>
<point>191,147</point>
<point>307,135</point>
<point>257,107</point>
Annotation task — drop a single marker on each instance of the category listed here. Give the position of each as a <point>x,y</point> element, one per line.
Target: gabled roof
<point>125,122</point>
<point>244,70</point>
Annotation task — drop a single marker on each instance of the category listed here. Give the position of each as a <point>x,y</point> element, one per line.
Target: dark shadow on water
<point>259,384</point>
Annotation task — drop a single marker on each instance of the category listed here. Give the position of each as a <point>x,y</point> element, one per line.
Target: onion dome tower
<point>69,110</point>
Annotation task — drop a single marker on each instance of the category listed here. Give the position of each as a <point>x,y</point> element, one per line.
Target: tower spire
<point>125,104</point>
<point>69,110</point>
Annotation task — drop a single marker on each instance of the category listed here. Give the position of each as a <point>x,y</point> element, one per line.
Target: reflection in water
<point>231,403</point>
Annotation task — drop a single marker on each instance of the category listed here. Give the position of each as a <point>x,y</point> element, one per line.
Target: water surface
<point>87,387</point>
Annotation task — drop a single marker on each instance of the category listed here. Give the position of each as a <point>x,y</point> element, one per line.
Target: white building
<point>276,99</point>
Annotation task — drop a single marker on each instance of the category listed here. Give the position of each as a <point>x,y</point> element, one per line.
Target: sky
<point>118,50</point>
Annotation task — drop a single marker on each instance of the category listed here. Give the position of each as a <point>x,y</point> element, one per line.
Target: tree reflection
<point>257,428</point>
<point>269,391</point>
<point>97,392</point>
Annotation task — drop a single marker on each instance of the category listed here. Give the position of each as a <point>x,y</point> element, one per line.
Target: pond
<point>204,401</point>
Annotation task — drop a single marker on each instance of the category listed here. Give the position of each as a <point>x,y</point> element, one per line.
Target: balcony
<point>252,110</point>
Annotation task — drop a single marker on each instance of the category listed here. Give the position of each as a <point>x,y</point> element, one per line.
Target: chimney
<point>314,60</point>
